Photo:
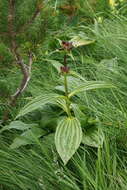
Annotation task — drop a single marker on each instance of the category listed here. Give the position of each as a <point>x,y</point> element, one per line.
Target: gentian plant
<point>69,131</point>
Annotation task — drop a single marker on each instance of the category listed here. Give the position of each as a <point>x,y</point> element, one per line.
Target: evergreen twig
<point>32,19</point>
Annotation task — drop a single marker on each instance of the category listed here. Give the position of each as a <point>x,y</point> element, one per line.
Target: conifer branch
<point>32,19</point>
<point>25,69</point>
<point>11,30</point>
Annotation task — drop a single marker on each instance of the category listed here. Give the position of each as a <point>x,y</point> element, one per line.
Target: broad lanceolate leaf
<point>19,125</point>
<point>38,102</point>
<point>68,137</point>
<point>93,137</point>
<point>89,85</point>
<point>28,137</point>
<point>82,42</point>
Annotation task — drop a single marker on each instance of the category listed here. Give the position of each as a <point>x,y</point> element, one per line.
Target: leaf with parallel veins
<point>68,137</point>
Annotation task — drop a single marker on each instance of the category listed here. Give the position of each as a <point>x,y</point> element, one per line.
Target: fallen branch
<point>26,71</point>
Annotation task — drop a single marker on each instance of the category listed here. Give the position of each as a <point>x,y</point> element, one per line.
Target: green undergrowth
<point>40,168</point>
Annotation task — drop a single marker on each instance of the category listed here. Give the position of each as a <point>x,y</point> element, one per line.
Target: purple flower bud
<point>67,45</point>
<point>64,69</point>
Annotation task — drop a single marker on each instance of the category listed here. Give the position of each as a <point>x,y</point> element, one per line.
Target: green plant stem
<point>66,94</point>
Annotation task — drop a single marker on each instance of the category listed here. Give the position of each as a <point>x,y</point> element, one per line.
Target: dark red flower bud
<point>64,69</point>
<point>67,45</point>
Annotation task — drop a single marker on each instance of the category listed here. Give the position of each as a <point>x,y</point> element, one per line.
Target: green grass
<point>40,168</point>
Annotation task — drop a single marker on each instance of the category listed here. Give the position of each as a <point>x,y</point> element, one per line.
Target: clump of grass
<point>106,60</point>
<point>38,168</point>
